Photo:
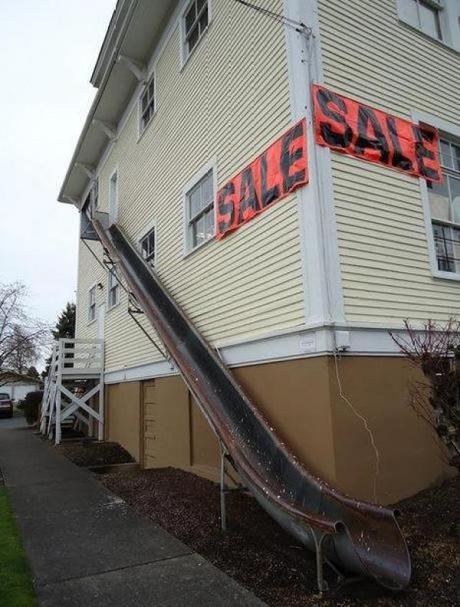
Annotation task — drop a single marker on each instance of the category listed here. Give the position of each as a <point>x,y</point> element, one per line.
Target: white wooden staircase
<point>74,362</point>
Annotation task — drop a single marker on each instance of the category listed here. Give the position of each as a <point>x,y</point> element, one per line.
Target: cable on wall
<point>298,26</point>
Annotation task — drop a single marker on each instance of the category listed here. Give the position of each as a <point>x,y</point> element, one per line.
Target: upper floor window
<point>445,208</point>
<point>425,15</point>
<point>148,247</point>
<point>92,304</point>
<point>113,290</point>
<point>147,102</point>
<point>200,211</point>
<point>196,20</point>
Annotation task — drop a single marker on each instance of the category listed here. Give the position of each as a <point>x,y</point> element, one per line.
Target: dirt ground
<point>89,453</point>
<point>263,558</point>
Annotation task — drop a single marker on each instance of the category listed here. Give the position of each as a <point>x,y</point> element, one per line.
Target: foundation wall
<point>407,456</point>
<point>361,436</point>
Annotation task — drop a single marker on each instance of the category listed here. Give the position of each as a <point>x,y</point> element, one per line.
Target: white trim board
<point>292,345</point>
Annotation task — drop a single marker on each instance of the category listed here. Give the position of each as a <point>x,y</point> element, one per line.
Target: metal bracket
<point>137,68</point>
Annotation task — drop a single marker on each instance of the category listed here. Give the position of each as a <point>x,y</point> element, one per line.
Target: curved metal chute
<point>363,538</point>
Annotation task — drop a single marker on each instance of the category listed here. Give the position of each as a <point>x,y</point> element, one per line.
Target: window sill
<point>91,322</point>
<point>110,308</point>
<point>441,43</point>
<point>201,246</point>
<point>446,275</point>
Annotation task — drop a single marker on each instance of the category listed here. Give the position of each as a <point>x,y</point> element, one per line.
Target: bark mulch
<point>262,557</point>
<point>89,453</point>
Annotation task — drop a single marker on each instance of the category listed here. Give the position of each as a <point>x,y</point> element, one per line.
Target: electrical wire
<point>130,297</point>
<point>297,25</point>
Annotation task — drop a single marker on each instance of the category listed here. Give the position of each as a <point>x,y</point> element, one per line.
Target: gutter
<point>94,106</point>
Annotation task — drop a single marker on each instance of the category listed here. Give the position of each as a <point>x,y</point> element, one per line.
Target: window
<point>438,19</point>
<point>113,197</point>
<point>114,289</point>
<point>148,247</point>
<point>200,211</point>
<point>196,20</point>
<point>445,208</point>
<point>147,108</point>
<point>92,304</point>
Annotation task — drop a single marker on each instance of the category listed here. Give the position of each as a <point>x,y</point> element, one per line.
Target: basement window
<point>445,208</point>
<point>148,247</point>
<point>195,23</point>
<point>147,104</point>
<point>113,290</point>
<point>92,304</point>
<point>199,201</point>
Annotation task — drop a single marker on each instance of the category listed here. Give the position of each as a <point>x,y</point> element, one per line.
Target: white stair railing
<point>73,359</point>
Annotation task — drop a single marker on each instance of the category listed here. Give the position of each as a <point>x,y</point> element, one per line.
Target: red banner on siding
<point>280,170</point>
<point>350,127</point>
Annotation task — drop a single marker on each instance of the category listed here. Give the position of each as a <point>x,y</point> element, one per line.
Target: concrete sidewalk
<point>87,547</point>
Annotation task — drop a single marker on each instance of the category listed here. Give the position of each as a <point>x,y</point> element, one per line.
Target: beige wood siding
<point>369,55</point>
<point>89,273</point>
<point>228,103</point>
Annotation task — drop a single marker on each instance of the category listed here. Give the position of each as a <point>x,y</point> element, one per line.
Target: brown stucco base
<point>361,436</point>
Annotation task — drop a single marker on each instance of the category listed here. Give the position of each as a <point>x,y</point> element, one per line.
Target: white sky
<point>48,49</point>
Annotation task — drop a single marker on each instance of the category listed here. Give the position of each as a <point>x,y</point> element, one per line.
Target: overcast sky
<point>48,49</point>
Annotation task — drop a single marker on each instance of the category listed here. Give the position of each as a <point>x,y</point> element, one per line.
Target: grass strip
<point>16,589</point>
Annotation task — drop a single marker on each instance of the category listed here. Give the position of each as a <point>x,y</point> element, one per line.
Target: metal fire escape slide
<point>360,538</point>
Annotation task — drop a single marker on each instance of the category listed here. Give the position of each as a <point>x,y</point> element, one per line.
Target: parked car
<point>6,404</point>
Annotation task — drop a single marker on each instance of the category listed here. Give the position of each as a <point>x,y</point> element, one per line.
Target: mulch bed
<point>257,553</point>
<point>89,453</point>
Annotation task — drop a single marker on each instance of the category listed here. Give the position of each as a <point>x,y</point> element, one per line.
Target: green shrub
<point>32,404</point>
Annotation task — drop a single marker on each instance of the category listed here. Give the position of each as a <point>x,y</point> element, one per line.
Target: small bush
<point>32,404</point>
<point>435,350</point>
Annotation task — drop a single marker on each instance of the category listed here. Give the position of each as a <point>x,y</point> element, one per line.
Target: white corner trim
<point>319,243</point>
<point>450,130</point>
<point>211,165</point>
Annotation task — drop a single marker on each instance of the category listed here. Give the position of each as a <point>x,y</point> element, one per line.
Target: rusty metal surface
<point>365,538</point>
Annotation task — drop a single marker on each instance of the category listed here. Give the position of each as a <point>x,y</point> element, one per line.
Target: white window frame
<point>114,197</point>
<point>93,288</point>
<point>448,13</point>
<point>110,287</point>
<point>185,54</point>
<point>142,128</point>
<point>451,130</point>
<point>207,168</point>
<point>151,227</point>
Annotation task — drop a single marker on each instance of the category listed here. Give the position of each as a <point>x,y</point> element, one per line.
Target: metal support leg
<point>223,489</point>
<point>319,545</point>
